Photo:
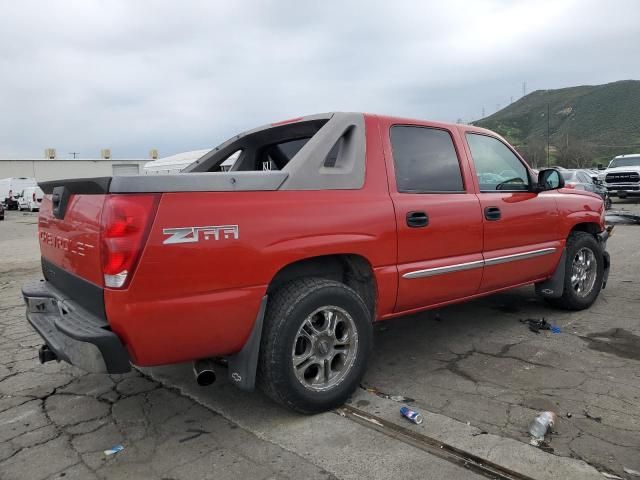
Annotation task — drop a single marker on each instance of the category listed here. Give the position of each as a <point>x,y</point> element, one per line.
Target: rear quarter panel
<point>200,299</point>
<point>192,300</point>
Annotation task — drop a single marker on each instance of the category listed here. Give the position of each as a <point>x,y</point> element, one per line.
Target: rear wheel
<point>584,271</point>
<point>315,344</point>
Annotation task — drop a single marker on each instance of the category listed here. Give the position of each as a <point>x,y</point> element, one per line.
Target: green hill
<point>588,125</point>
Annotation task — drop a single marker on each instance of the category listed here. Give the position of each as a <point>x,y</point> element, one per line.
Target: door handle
<point>417,219</point>
<point>492,213</point>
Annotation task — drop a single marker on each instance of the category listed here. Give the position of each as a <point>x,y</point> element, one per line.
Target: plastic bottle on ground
<point>542,423</point>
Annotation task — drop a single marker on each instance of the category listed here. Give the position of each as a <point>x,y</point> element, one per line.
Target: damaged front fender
<point>554,286</point>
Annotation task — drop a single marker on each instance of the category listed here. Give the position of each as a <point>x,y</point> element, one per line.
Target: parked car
<point>1,211</point>
<point>582,180</point>
<point>10,187</point>
<point>622,176</point>
<point>324,225</point>
<point>30,199</point>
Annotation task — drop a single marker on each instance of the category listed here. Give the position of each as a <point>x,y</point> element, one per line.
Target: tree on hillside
<point>534,152</point>
<point>574,155</point>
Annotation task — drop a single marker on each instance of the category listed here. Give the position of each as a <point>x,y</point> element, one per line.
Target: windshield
<point>625,162</point>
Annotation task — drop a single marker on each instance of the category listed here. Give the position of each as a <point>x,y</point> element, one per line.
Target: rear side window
<point>425,160</point>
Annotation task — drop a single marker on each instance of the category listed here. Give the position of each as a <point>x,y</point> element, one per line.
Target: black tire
<point>287,310</point>
<point>570,299</point>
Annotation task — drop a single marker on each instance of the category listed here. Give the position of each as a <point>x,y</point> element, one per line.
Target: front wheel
<point>315,344</point>
<point>584,272</point>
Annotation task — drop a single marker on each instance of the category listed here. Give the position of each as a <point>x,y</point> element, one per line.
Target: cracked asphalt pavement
<point>475,363</point>
<point>56,420</point>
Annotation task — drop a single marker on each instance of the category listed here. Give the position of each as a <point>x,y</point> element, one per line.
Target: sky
<point>131,75</point>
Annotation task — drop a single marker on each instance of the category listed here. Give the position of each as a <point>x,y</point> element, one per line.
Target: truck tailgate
<point>73,241</point>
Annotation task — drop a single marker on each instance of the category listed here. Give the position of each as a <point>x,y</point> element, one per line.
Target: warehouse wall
<point>44,170</point>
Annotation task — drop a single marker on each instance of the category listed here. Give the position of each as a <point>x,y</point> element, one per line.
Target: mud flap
<point>602,238</point>
<point>554,287</point>
<point>607,266</point>
<point>244,364</point>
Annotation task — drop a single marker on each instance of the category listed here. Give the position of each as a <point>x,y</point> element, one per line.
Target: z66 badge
<point>194,234</point>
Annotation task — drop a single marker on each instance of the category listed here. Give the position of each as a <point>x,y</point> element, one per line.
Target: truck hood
<point>635,168</point>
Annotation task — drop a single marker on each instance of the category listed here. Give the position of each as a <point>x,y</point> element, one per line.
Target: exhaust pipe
<point>204,372</point>
<point>45,354</point>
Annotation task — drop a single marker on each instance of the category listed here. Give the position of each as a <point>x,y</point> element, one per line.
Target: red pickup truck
<point>278,267</point>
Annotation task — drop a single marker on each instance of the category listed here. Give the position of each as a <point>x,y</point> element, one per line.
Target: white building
<point>51,168</point>
<point>56,169</point>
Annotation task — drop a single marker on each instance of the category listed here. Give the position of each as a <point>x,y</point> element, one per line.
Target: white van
<point>11,187</point>
<point>30,199</point>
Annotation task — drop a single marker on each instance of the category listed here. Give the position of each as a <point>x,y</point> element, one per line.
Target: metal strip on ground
<point>430,445</point>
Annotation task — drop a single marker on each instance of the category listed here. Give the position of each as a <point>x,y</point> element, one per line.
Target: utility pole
<point>511,100</point>
<point>74,154</point>
<point>524,88</point>
<point>483,111</point>
<point>548,136</point>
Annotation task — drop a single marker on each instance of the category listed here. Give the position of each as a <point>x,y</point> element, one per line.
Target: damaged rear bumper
<point>72,333</point>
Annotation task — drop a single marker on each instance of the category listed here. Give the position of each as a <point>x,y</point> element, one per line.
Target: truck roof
<point>416,121</point>
<point>628,155</point>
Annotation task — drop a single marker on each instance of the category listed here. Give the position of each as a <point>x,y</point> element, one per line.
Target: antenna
<point>548,135</point>
<point>74,154</point>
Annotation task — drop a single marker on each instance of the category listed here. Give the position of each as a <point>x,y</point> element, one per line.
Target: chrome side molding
<point>429,272</point>
<point>519,256</point>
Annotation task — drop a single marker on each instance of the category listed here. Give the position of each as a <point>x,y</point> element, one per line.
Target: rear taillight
<point>126,220</point>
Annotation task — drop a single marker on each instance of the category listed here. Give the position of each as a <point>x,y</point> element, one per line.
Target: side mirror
<point>549,179</point>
